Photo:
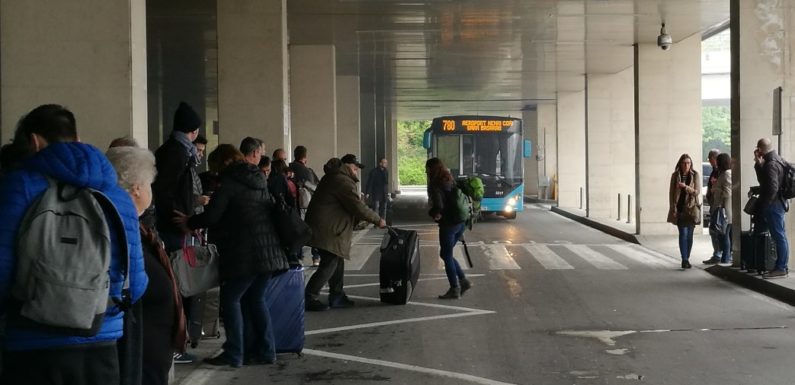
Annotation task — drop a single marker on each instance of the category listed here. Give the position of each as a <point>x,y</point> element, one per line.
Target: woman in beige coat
<point>684,206</point>
<point>721,200</point>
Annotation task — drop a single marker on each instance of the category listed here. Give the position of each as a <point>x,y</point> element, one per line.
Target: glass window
<point>448,149</point>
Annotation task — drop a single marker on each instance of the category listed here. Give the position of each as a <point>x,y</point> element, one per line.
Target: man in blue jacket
<point>37,356</point>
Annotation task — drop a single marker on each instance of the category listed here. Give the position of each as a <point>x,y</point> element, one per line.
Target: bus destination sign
<point>474,125</point>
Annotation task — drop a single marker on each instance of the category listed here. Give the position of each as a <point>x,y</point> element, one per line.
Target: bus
<point>489,147</point>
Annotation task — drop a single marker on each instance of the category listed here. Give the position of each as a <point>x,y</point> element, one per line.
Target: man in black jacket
<point>377,188</point>
<point>771,205</point>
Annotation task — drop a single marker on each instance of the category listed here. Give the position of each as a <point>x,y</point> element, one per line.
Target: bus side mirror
<point>528,148</point>
<point>426,139</point>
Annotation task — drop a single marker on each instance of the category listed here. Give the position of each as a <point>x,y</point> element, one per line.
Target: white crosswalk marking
<point>638,256</point>
<point>547,258</point>
<point>595,258</point>
<point>499,257</point>
<point>359,255</point>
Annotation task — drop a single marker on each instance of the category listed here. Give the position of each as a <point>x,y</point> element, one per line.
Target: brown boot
<point>465,285</point>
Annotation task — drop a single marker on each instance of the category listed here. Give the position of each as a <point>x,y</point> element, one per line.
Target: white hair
<point>134,166</point>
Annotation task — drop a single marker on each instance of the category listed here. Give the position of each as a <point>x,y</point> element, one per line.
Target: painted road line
<point>547,258</point>
<point>499,257</point>
<point>638,256</point>
<point>395,322</point>
<point>359,256</point>
<point>666,259</point>
<point>458,254</point>
<point>412,368</point>
<point>599,260</point>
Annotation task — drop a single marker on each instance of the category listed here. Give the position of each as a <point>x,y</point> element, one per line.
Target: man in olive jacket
<point>335,208</point>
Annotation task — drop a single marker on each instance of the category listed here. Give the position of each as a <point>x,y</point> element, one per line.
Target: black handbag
<point>293,232</point>
<point>719,222</point>
<point>751,206</point>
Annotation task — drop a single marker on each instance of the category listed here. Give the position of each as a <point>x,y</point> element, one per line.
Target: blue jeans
<point>685,241</point>
<point>774,216</point>
<point>262,343</point>
<point>717,243</point>
<point>448,236</point>
<point>726,244</point>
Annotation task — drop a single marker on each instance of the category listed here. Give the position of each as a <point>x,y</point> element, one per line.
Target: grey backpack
<point>63,250</point>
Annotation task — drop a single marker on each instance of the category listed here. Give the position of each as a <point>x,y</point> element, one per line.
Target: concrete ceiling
<point>434,57</point>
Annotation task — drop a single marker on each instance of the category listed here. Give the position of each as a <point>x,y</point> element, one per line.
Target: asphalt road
<point>553,302</point>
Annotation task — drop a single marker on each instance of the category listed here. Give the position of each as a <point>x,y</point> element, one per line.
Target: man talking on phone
<point>771,206</point>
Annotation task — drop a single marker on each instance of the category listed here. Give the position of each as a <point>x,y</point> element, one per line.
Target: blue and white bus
<point>489,147</point>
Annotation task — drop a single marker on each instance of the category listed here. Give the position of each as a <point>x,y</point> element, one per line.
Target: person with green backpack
<point>451,209</point>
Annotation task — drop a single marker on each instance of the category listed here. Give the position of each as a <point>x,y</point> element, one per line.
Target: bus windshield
<point>497,155</point>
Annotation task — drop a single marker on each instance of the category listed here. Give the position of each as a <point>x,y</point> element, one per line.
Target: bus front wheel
<point>511,215</point>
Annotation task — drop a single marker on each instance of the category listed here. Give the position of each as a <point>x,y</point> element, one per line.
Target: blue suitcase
<point>284,296</point>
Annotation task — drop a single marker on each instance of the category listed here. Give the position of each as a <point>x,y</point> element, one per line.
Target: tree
<point>716,123</point>
<point>411,154</point>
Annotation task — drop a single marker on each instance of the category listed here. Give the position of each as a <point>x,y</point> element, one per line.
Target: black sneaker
<point>711,261</point>
<point>184,358</point>
<point>340,301</point>
<point>220,360</point>
<point>776,273</point>
<point>688,265</point>
<point>313,304</point>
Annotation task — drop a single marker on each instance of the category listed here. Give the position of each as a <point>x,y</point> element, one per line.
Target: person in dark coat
<point>161,317</point>
<point>377,189</point>
<point>174,187</point>
<point>440,188</point>
<point>772,206</point>
<point>240,215</point>
<point>335,209</point>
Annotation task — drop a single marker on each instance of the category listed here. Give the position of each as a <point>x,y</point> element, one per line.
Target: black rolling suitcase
<point>764,252</point>
<point>400,265</point>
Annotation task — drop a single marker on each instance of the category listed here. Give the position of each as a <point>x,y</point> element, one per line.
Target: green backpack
<point>464,209</point>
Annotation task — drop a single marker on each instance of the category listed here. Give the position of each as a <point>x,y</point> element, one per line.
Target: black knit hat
<point>186,119</point>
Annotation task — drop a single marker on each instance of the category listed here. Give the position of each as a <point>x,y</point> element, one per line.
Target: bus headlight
<point>512,201</point>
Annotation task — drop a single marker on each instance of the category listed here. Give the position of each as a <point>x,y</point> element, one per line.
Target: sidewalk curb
<point>596,225</point>
<point>531,199</point>
<point>754,282</point>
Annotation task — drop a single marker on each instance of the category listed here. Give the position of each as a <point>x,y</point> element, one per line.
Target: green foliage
<point>411,154</point>
<point>716,124</point>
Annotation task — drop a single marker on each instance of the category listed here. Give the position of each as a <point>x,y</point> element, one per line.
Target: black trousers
<point>96,364</point>
<point>331,270</point>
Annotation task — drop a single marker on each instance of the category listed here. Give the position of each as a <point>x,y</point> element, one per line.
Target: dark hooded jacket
<point>240,220</point>
<point>173,186</point>
<point>334,210</point>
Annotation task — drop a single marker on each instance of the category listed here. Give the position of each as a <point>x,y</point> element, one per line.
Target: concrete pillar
<point>611,139</point>
<point>253,88</point>
<point>530,127</point>
<point>367,127</point>
<point>391,149</point>
<point>313,102</point>
<point>348,116</point>
<point>50,53</point>
<point>546,150</point>
<point>766,33</point>
<point>668,91</point>
<point>571,152</point>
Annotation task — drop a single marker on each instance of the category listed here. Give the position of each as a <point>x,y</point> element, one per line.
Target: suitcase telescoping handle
<point>391,231</point>
<point>466,251</point>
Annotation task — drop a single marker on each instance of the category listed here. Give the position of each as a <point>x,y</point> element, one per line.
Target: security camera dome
<point>664,41</point>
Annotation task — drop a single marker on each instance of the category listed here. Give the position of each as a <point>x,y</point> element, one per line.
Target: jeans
<point>717,239</point>
<point>685,241</point>
<point>726,245</point>
<point>262,341</point>
<point>331,270</point>
<point>448,236</point>
<point>774,216</point>
<point>378,203</point>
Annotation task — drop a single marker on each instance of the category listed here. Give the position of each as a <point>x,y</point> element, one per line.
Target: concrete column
<point>348,116</point>
<point>253,91</point>
<point>367,127</point>
<point>50,53</point>
<point>766,34</point>
<point>530,127</point>
<point>313,102</point>
<point>571,152</point>
<point>391,149</point>
<point>546,151</point>
<point>611,138</point>
<point>669,115</point>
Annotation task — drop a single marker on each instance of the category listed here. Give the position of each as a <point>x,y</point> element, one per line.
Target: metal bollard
<point>580,198</point>
<point>629,208</point>
<point>619,207</point>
